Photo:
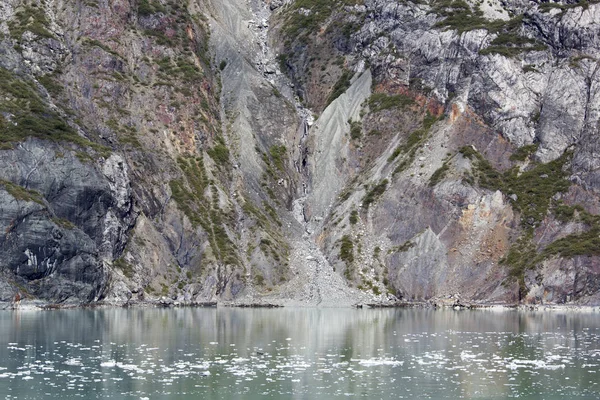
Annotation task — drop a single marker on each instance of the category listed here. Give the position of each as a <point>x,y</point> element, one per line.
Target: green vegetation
<point>381,101</point>
<point>20,193</point>
<point>531,192</point>
<point>259,279</point>
<point>96,43</point>
<point>521,256</point>
<point>303,23</point>
<point>53,87</point>
<point>533,188</point>
<point>272,249</point>
<point>524,152</point>
<point>579,244</point>
<point>439,174</point>
<point>511,44</point>
<point>355,130</point>
<point>376,251</point>
<point>461,17</point>
<point>342,84</point>
<point>271,242</point>
<point>31,18</point>
<point>347,250</point>
<point>203,210</point>
<point>64,223</point>
<point>545,7</point>
<point>222,65</point>
<point>402,248</point>
<point>149,7</point>
<point>374,194</point>
<point>124,266</point>
<point>183,68</point>
<point>576,61</point>
<point>305,17</point>
<point>414,140</point>
<point>31,117</point>
<point>219,153</point>
<point>278,155</point>
<point>353,217</point>
<point>524,256</point>
<point>175,33</point>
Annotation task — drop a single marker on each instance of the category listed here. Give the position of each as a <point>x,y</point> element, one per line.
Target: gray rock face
<point>540,96</point>
<point>194,171</point>
<point>448,238</point>
<point>63,220</point>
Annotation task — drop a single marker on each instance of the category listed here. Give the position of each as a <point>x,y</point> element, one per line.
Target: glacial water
<point>228,353</point>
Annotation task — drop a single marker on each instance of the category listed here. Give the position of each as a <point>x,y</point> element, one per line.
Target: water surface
<point>229,353</point>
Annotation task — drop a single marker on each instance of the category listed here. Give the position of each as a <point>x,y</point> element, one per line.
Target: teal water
<point>229,353</point>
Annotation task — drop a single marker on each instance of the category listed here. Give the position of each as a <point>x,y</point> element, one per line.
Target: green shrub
<point>219,153</point>
<point>374,194</point>
<point>404,247</point>
<point>124,266</point>
<point>412,141</point>
<point>20,193</point>
<point>534,188</point>
<point>353,217</point>
<point>381,101</point>
<point>347,250</point>
<point>342,84</point>
<point>278,155</point>
<point>355,130</point>
<point>32,19</point>
<point>439,174</point>
<point>32,117</point>
<point>189,194</point>
<point>524,152</point>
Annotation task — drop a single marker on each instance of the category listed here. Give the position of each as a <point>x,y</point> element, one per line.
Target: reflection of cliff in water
<point>305,352</point>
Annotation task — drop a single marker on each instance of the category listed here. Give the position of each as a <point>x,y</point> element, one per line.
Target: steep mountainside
<point>299,152</point>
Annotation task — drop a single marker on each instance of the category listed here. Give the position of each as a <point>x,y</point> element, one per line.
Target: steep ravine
<point>313,281</point>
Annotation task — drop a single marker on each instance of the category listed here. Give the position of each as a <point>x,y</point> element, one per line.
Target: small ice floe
<point>467,355</point>
<point>108,364</point>
<point>204,365</point>
<point>373,362</point>
<point>537,364</point>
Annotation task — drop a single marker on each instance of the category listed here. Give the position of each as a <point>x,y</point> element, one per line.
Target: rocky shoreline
<point>36,305</point>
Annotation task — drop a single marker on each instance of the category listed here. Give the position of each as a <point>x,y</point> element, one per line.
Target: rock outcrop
<point>299,152</point>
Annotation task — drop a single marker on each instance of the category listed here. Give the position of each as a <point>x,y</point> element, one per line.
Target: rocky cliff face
<point>299,152</point>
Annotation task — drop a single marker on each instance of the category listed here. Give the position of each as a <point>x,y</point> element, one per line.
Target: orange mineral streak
<point>455,113</point>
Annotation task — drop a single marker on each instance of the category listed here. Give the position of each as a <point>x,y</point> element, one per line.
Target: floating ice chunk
<point>108,364</point>
<point>73,362</point>
<point>203,365</point>
<point>467,355</point>
<point>373,362</point>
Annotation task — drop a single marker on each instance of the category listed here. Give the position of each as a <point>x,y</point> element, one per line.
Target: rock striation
<point>299,152</point>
